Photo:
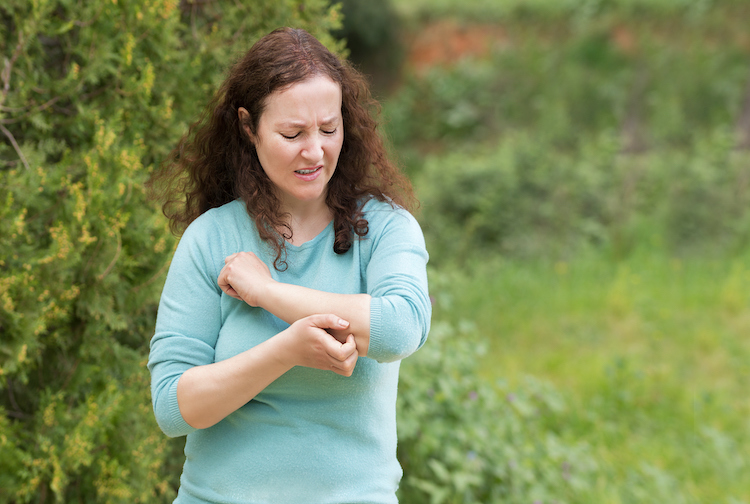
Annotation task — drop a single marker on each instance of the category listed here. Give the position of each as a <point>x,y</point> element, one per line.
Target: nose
<point>314,148</point>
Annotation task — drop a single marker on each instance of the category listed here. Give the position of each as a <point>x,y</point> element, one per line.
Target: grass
<point>651,354</point>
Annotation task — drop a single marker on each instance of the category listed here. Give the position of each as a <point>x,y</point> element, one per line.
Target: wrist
<point>285,352</point>
<point>267,294</point>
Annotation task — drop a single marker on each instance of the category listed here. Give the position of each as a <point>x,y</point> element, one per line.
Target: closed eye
<point>330,132</point>
<point>292,137</point>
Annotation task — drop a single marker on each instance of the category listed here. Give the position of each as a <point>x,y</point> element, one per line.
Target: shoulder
<point>229,210</point>
<point>208,237</point>
<point>217,221</point>
<point>384,212</point>
<point>385,218</point>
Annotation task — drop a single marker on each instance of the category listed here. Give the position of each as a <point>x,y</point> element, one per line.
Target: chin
<point>310,196</point>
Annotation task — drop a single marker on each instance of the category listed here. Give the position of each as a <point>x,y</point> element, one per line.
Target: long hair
<point>216,162</point>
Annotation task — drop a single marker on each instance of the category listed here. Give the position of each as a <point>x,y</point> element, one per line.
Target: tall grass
<point>650,353</point>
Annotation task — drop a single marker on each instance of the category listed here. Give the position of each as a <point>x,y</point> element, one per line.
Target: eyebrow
<point>302,124</point>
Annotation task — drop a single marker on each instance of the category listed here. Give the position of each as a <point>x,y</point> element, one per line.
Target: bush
<point>93,94</point>
<point>464,440</point>
<point>524,198</point>
<point>656,83</point>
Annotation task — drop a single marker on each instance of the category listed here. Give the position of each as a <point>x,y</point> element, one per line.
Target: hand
<point>311,346</point>
<point>245,277</point>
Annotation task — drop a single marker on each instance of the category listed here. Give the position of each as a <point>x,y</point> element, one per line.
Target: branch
<point>18,415</point>
<point>70,375</point>
<point>14,109</point>
<point>39,108</point>
<point>17,412</point>
<point>153,278</point>
<point>114,259</point>
<point>15,146</point>
<point>9,66</point>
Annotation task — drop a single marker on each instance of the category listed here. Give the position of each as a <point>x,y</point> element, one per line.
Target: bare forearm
<point>246,277</point>
<point>207,394</point>
<point>292,302</point>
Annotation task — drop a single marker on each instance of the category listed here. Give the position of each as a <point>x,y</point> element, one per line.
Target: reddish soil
<point>446,42</point>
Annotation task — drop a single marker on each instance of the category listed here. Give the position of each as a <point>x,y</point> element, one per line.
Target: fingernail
<point>343,323</point>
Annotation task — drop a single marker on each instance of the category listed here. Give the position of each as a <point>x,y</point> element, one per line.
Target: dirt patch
<point>446,42</point>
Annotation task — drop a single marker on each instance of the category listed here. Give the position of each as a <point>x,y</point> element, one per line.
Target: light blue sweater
<point>312,436</point>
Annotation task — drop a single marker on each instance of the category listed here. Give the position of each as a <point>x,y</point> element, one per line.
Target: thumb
<point>328,321</point>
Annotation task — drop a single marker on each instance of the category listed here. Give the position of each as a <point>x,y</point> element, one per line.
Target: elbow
<point>398,331</point>
<point>167,411</point>
<point>410,343</point>
<point>169,429</point>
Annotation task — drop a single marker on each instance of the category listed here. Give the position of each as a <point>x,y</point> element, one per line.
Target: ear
<point>244,116</point>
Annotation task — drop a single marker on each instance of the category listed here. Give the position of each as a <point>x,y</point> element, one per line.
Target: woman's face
<point>299,138</point>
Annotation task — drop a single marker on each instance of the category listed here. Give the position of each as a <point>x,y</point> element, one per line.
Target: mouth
<point>308,171</point>
<point>309,174</point>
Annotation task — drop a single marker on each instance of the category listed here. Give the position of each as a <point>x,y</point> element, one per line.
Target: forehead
<point>317,98</point>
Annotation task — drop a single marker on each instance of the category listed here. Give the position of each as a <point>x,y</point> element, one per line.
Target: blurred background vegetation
<point>584,173</point>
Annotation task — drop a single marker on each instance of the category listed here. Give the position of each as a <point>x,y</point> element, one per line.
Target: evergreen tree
<point>92,96</point>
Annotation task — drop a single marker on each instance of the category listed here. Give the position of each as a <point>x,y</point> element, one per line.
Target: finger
<point>228,258</point>
<point>341,352</point>
<point>225,286</point>
<point>346,368</point>
<point>349,347</point>
<point>327,321</point>
<point>222,281</point>
<point>229,290</point>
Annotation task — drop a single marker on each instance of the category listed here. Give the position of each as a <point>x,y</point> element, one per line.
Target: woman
<point>296,289</point>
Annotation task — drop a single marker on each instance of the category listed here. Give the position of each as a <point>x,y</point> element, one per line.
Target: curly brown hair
<point>216,162</point>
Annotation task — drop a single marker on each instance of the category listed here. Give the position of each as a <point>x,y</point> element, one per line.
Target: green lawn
<point>652,355</point>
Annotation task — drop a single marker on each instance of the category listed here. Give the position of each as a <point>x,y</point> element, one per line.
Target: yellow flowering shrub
<point>92,96</point>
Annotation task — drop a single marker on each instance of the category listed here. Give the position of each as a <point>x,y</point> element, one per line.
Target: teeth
<point>307,172</point>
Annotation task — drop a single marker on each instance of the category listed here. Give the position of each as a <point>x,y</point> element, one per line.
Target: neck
<point>307,219</point>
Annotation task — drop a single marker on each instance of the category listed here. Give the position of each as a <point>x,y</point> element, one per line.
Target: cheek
<point>335,148</point>
<point>273,155</point>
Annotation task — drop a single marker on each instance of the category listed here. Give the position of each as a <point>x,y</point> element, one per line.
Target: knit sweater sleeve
<point>188,320</point>
<point>400,308</point>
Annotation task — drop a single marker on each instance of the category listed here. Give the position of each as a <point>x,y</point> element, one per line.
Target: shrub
<point>92,95</point>
<point>464,440</point>
<point>525,198</point>
<point>663,81</point>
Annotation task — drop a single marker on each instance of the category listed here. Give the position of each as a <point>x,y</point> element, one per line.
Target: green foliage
<point>372,32</point>
<point>368,26</point>
<point>578,10</point>
<point>652,82</point>
<point>586,175</point>
<point>93,94</point>
<point>648,353</point>
<point>524,199</point>
<point>464,440</point>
